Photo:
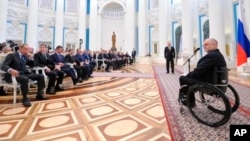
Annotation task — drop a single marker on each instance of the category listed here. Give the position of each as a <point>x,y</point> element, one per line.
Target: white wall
<point>109,26</point>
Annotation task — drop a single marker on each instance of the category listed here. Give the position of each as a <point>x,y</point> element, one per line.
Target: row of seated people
<point>112,58</point>
<point>56,65</point>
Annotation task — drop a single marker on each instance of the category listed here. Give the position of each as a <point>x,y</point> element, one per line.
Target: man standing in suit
<point>43,59</point>
<point>15,65</point>
<point>133,54</point>
<point>169,54</point>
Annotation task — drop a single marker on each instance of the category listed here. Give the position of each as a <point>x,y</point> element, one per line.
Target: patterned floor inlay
<point>124,106</point>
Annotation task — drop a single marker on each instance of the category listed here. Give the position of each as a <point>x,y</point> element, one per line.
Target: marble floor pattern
<point>124,106</point>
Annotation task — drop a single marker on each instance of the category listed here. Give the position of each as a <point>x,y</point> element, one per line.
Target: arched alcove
<point>112,20</point>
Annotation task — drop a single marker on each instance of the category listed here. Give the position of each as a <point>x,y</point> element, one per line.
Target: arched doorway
<point>111,21</point>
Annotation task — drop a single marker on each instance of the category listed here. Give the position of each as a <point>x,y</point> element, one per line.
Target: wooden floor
<point>121,105</point>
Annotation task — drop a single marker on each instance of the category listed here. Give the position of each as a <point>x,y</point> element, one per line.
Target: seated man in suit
<point>43,59</point>
<point>15,65</point>
<point>103,58</point>
<point>59,59</point>
<point>81,70</point>
<point>83,62</point>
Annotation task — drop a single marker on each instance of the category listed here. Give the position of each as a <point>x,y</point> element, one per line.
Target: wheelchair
<point>211,103</point>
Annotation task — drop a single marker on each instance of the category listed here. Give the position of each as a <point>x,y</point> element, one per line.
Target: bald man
<point>205,67</point>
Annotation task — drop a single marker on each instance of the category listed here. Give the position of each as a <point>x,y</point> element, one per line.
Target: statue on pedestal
<point>113,48</point>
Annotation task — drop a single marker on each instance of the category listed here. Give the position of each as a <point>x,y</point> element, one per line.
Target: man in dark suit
<point>169,54</point>
<point>204,69</point>
<point>133,54</point>
<point>103,58</point>
<point>84,62</point>
<point>15,65</point>
<point>43,59</point>
<point>59,59</point>
<point>81,70</point>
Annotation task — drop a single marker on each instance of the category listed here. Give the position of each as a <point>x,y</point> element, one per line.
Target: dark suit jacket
<point>41,61</point>
<point>133,53</point>
<point>71,59</point>
<point>56,58</point>
<point>169,53</point>
<point>13,61</point>
<point>205,66</point>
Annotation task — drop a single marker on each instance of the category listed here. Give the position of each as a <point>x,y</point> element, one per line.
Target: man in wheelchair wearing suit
<point>204,69</point>
<point>15,65</point>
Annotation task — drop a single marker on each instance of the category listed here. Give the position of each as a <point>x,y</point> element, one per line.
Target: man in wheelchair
<point>204,70</point>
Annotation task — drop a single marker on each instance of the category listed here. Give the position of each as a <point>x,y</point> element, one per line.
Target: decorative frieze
<point>203,7</point>
<point>14,15</point>
<point>153,17</point>
<point>70,23</point>
<point>176,12</point>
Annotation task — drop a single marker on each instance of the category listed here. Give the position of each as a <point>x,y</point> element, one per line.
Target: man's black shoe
<point>51,91</point>
<point>26,102</point>
<point>75,81</point>
<point>39,97</point>
<point>58,88</point>
<point>80,80</point>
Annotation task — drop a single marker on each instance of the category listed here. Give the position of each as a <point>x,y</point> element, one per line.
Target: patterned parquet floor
<point>122,105</point>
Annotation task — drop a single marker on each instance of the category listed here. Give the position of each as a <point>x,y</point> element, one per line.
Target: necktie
<point>23,63</point>
<point>44,55</point>
<point>60,59</point>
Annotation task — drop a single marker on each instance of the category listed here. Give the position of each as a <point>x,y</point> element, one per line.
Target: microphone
<point>196,50</point>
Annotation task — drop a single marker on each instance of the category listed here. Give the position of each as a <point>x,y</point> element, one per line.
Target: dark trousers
<point>82,71</point>
<point>53,76</point>
<point>171,62</point>
<point>70,72</point>
<point>24,81</point>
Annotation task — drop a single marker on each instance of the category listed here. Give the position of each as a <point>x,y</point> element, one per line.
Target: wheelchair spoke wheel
<point>208,105</point>
<point>233,97</point>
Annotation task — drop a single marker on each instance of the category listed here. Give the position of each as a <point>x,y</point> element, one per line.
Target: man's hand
<point>57,67</point>
<point>47,69</point>
<point>14,72</point>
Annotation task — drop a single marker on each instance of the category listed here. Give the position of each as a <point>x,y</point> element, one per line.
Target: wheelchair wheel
<point>233,97</point>
<point>208,105</point>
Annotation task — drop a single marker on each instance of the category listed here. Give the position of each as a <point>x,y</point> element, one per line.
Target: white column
<point>92,25</point>
<point>169,21</point>
<point>187,32</point>
<point>163,24</point>
<point>99,33</point>
<point>143,47</point>
<point>129,27</point>
<point>82,23</point>
<point>3,23</point>
<point>187,27</point>
<point>59,24</point>
<point>216,23</point>
<point>32,24</point>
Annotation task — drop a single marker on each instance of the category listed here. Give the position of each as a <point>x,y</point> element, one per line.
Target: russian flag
<point>243,44</point>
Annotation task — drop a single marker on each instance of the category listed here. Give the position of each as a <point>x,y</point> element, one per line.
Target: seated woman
<point>204,69</point>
